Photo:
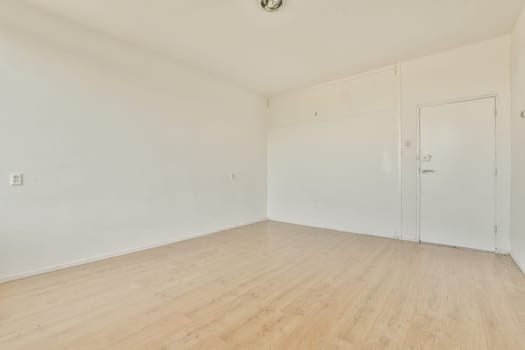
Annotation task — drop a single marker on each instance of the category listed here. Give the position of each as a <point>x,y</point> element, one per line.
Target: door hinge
<point>496,172</point>
<point>496,229</point>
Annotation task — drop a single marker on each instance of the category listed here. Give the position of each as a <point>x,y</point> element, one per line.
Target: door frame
<point>495,97</point>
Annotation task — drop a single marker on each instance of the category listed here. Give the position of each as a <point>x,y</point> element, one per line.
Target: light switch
<point>17,179</point>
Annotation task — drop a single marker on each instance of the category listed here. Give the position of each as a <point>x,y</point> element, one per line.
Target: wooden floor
<point>273,286</point>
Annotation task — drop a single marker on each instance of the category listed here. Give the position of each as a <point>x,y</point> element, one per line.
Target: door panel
<point>457,174</point>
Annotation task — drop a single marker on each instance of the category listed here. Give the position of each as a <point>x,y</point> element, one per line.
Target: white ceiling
<point>307,42</point>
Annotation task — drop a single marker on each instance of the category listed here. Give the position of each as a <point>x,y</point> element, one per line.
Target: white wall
<point>121,148</point>
<point>337,169</point>
<point>518,143</point>
<point>340,169</point>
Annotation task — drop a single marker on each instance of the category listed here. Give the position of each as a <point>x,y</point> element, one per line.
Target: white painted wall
<point>337,169</point>
<point>518,143</point>
<point>340,170</point>
<point>121,149</point>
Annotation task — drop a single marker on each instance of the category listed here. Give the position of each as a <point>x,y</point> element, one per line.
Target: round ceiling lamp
<point>271,5</point>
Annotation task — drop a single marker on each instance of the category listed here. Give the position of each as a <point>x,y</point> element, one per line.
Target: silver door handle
<point>427,171</point>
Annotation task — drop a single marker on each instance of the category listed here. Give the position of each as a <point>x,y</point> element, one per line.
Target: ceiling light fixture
<point>271,5</point>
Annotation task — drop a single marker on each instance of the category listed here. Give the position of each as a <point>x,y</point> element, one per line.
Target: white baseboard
<point>413,240</point>
<point>387,236</point>
<point>79,262</point>
<point>518,263</point>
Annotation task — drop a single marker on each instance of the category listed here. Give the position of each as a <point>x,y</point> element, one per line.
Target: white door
<point>457,174</point>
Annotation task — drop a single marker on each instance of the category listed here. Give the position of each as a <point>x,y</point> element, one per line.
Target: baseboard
<point>387,236</point>
<point>518,263</point>
<point>413,240</point>
<point>79,262</point>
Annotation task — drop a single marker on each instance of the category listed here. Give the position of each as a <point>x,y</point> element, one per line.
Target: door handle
<point>427,171</point>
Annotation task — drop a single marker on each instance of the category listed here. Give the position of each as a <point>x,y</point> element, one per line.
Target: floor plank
<point>273,286</point>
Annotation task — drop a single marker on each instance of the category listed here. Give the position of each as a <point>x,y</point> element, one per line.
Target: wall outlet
<point>17,179</point>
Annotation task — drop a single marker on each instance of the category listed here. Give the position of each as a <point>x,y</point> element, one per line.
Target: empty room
<point>262,174</point>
